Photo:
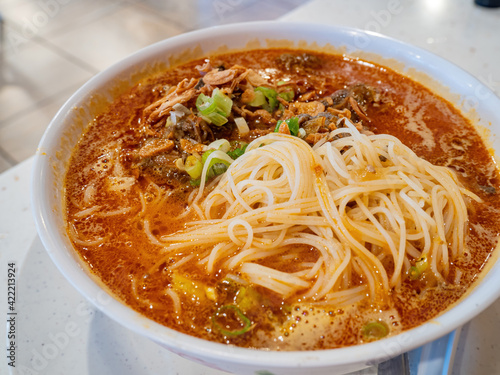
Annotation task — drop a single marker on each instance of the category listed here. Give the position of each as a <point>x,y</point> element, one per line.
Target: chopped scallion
<point>415,272</point>
<point>229,315</point>
<point>293,125</point>
<point>193,167</point>
<point>287,95</point>
<point>375,330</point>
<point>217,167</point>
<point>214,109</point>
<point>215,118</point>
<point>205,155</point>
<point>236,153</point>
<point>242,125</point>
<point>259,100</point>
<point>270,95</point>
<point>223,102</point>
<point>217,164</point>
<point>195,183</point>
<point>220,144</point>
<point>205,104</point>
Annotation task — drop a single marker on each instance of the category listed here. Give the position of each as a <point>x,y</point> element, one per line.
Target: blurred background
<point>49,48</point>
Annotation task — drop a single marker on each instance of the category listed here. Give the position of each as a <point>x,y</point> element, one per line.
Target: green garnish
<point>270,94</point>
<point>214,109</point>
<point>287,95</point>
<point>193,167</point>
<point>228,316</point>
<point>293,125</point>
<point>415,272</point>
<point>236,153</point>
<point>220,144</point>
<point>195,183</point>
<point>205,155</point>
<point>375,330</point>
<point>259,100</point>
<point>216,166</point>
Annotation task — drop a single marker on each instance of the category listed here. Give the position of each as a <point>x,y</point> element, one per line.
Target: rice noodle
<point>357,199</point>
<point>175,299</point>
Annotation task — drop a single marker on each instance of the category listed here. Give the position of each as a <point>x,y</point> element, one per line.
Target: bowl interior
<point>464,91</point>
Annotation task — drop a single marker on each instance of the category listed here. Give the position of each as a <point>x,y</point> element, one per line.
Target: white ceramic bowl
<point>54,151</point>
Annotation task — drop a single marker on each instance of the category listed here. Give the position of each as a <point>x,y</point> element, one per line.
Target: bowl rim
<point>477,299</point>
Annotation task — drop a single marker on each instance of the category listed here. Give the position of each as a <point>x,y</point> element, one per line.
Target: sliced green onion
<point>223,102</point>
<point>180,164</point>
<point>220,144</point>
<point>242,125</point>
<point>193,167</point>
<point>217,103</point>
<point>205,155</point>
<point>375,330</point>
<point>216,168</point>
<point>217,154</point>
<point>287,95</point>
<point>236,153</point>
<point>195,183</point>
<point>205,104</point>
<point>231,311</point>
<point>415,272</point>
<point>259,100</point>
<point>215,118</point>
<point>214,109</point>
<point>270,95</point>
<point>216,162</point>
<point>293,125</point>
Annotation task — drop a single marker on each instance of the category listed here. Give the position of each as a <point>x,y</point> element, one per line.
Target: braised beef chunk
<point>155,146</point>
<point>356,99</point>
<point>299,63</point>
<point>189,126</point>
<point>161,169</point>
<point>200,84</point>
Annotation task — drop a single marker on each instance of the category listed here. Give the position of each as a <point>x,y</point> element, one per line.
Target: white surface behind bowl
<point>62,134</point>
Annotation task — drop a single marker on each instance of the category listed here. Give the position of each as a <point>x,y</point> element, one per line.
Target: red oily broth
<point>111,198</point>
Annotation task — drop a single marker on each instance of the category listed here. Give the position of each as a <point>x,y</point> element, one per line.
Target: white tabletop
<point>58,332</point>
